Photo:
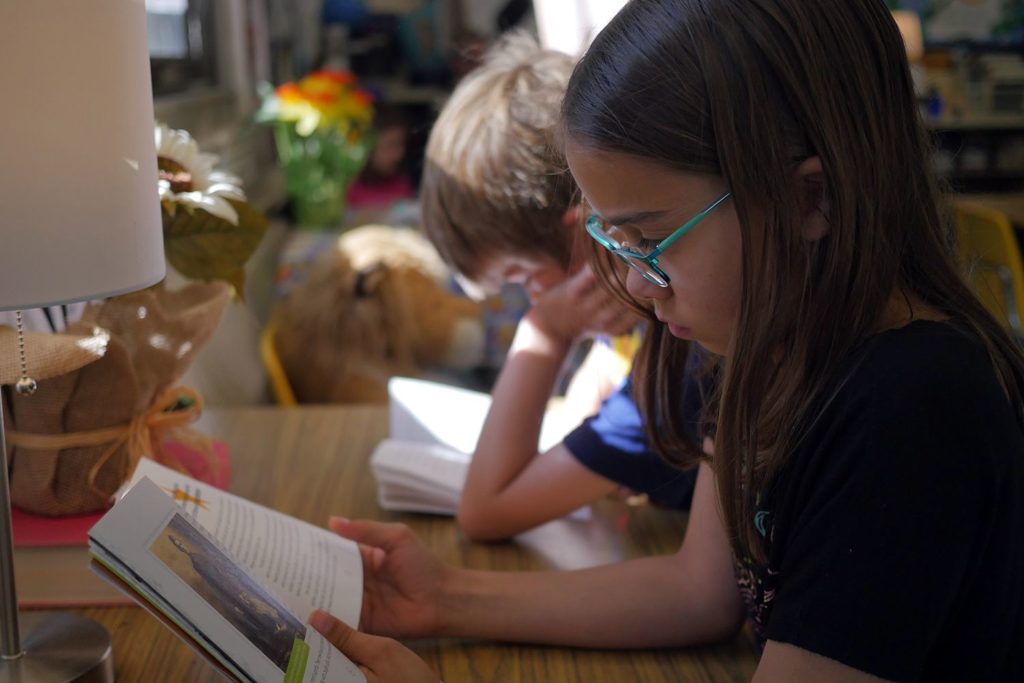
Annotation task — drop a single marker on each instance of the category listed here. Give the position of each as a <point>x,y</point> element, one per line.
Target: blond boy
<point>501,207</point>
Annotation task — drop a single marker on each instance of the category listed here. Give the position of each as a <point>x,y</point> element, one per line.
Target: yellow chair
<point>279,384</point>
<point>989,249</point>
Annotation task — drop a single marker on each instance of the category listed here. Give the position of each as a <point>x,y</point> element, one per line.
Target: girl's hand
<point>580,305</point>
<point>381,660</point>
<point>402,580</point>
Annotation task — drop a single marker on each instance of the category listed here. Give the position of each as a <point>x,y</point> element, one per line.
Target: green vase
<point>318,170</point>
<point>320,203</point>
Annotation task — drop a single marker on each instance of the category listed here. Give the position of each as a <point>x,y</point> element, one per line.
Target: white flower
<point>187,176</point>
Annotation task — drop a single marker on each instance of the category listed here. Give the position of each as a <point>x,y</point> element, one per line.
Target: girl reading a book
<point>761,166</point>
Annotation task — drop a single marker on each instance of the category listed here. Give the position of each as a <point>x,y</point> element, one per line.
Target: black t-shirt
<point>895,533</point>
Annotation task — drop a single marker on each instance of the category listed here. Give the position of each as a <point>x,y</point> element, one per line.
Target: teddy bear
<point>374,305</point>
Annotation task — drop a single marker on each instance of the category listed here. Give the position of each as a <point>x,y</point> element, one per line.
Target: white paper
<point>422,467</point>
<point>419,477</point>
<point>429,412</point>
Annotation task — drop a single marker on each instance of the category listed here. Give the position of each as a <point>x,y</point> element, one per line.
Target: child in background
<point>762,167</point>
<point>384,180</point>
<point>501,207</point>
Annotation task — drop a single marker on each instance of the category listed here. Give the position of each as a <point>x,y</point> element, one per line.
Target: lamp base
<point>60,648</point>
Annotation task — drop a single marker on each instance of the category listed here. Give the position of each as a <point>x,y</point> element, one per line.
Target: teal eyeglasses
<point>627,244</point>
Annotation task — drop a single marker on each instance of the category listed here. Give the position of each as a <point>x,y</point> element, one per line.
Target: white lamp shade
<point>79,211</point>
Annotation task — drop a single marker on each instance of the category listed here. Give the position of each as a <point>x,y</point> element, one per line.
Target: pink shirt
<point>379,194</point>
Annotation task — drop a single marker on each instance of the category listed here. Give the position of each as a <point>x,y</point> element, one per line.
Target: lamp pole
<point>61,647</point>
<point>10,640</point>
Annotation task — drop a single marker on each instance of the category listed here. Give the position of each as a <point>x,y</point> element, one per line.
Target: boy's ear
<point>470,288</point>
<point>572,216</point>
<point>369,279</point>
<point>572,220</point>
<point>816,206</point>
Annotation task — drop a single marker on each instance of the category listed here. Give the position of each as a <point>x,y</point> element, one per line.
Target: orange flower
<point>339,77</point>
<point>289,91</point>
<point>362,97</point>
<point>323,100</point>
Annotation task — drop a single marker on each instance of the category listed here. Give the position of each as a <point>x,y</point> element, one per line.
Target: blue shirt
<point>613,444</point>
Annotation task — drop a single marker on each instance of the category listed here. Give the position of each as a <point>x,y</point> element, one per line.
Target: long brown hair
<point>746,89</point>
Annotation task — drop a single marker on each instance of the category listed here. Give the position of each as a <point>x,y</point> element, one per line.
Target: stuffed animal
<point>374,306</point>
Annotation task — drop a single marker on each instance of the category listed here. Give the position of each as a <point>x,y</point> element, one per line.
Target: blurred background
<point>217,63</point>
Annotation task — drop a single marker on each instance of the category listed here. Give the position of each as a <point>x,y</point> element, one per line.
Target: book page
<point>415,463</point>
<point>422,467</point>
<point>308,565</point>
<point>419,477</point>
<point>429,412</point>
<point>176,565</point>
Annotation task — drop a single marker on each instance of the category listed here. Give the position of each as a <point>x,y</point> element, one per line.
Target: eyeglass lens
<point>644,269</point>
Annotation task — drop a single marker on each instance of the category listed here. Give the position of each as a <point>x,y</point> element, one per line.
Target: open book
<point>422,466</point>
<point>235,580</point>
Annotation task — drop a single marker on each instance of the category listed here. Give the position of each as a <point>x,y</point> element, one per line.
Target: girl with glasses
<point>761,166</point>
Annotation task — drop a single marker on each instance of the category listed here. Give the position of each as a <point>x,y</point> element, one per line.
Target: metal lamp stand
<point>59,647</point>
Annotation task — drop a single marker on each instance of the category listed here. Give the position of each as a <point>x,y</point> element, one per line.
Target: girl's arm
<point>687,598</point>
<point>682,599</point>
<point>509,488</point>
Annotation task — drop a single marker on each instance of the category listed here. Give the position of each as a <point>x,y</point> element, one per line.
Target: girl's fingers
<point>380,659</point>
<point>377,534</point>
<point>358,647</point>
<point>333,629</point>
<point>373,557</point>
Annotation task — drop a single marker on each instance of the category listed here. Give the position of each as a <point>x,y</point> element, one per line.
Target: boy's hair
<point>747,91</point>
<point>494,182</point>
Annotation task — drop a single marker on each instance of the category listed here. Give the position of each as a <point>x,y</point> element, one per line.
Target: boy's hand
<point>381,660</point>
<point>402,580</point>
<point>580,305</point>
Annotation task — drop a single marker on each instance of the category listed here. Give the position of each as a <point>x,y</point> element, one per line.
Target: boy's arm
<point>508,488</point>
<point>547,487</point>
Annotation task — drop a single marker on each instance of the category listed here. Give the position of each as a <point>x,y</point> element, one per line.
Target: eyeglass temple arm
<point>690,224</point>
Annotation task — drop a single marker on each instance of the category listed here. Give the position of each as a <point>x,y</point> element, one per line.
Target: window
<point>181,49</point>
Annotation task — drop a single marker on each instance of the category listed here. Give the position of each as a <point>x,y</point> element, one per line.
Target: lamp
<point>79,220</point>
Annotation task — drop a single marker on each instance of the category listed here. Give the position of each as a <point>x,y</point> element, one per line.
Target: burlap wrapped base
<point>78,437</point>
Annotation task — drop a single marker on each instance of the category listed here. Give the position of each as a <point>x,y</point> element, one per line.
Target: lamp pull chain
<point>26,386</point>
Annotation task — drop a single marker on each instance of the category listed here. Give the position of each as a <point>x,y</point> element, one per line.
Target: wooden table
<point>311,462</point>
